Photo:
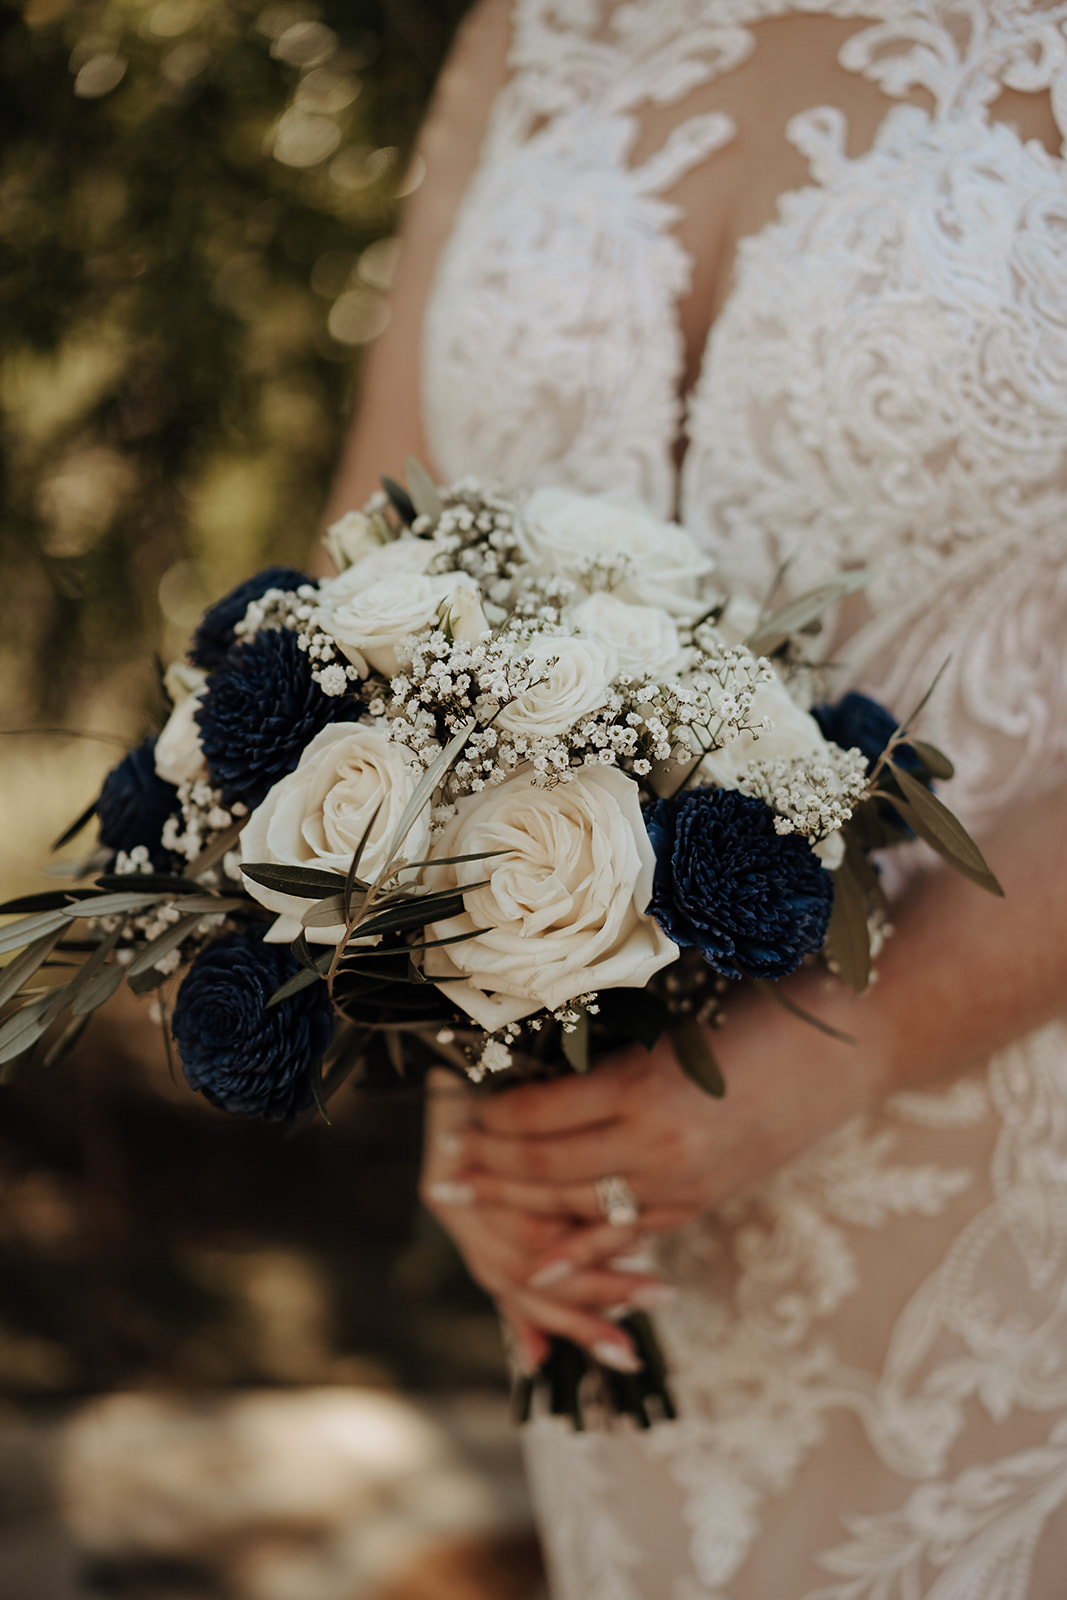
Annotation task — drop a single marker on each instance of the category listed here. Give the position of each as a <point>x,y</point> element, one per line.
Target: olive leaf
<point>162,945</point>
<point>113,905</point>
<point>306,883</point>
<point>75,828</point>
<point>791,618</point>
<point>694,1055</point>
<point>17,972</point>
<point>307,975</point>
<point>21,1032</point>
<point>848,938</point>
<point>576,1044</point>
<point>773,992</point>
<point>27,929</point>
<point>942,831</point>
<point>399,499</point>
<point>352,883</point>
<point>212,853</point>
<point>422,490</point>
<point>424,790</point>
<point>935,761</point>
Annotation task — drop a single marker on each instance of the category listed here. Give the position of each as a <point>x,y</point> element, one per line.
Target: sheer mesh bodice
<point>870,1349</point>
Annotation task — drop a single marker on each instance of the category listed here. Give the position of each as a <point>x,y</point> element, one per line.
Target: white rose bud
<point>178,755</point>
<point>352,537</point>
<point>316,816</point>
<point>463,616</point>
<point>571,676</point>
<point>563,910</point>
<point>601,541</point>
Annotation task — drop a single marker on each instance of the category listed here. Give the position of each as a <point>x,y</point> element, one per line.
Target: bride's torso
<point>798,273</point>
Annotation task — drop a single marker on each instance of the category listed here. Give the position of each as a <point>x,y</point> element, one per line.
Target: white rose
<point>464,616</point>
<point>564,905</point>
<point>316,816</point>
<point>634,554</point>
<point>352,537</point>
<point>393,560</point>
<point>178,755</point>
<point>640,640</point>
<point>369,623</point>
<point>572,677</point>
<point>793,735</point>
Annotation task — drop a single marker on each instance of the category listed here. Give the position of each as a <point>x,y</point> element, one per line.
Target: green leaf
<point>212,853</point>
<point>693,1053</point>
<point>422,490</point>
<point>101,988</point>
<point>49,900</point>
<point>328,913</point>
<point>17,972</point>
<point>67,1039</point>
<point>164,883</point>
<point>162,945</point>
<point>211,905</point>
<point>306,883</point>
<point>424,791</point>
<point>75,828</point>
<point>450,861</point>
<point>317,1090</point>
<point>27,929</point>
<point>772,991</point>
<point>935,762</point>
<point>22,1031</point>
<point>415,916</point>
<point>299,980</point>
<point>576,1044</point>
<point>848,938</point>
<point>113,905</point>
<point>944,833</point>
<point>351,881</point>
<point>938,675</point>
<point>85,980</point>
<point>399,499</point>
<point>777,629</point>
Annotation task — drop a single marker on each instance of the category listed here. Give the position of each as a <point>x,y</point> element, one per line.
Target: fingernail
<point>651,1295</point>
<point>451,1194</point>
<point>449,1144</point>
<point>639,1261</point>
<point>551,1272</point>
<point>620,1358</point>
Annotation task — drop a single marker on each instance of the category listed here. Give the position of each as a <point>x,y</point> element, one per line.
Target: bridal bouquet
<point>515,787</point>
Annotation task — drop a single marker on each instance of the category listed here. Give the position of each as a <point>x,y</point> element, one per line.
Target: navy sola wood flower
<point>260,711</point>
<point>134,804</point>
<point>856,722</point>
<point>752,901</point>
<point>215,634</point>
<point>242,1057</point>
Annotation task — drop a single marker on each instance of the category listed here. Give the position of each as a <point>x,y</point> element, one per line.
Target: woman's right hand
<point>502,1248</point>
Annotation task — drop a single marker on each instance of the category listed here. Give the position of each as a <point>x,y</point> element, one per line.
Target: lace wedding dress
<point>870,1349</point>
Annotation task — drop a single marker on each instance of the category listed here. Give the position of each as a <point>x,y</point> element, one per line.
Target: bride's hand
<point>540,1149</point>
<point>503,1246</point>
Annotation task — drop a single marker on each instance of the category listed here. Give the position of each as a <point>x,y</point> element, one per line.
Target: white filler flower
<point>316,816</point>
<point>564,906</point>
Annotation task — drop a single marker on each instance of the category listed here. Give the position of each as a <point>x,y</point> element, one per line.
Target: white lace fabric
<point>870,1349</point>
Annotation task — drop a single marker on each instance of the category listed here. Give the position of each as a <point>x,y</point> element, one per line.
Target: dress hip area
<point>870,1349</point>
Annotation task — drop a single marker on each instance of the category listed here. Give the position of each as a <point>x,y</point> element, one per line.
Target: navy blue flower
<point>215,634</point>
<point>856,722</point>
<point>752,901</point>
<point>259,712</point>
<point>234,1051</point>
<point>134,804</point>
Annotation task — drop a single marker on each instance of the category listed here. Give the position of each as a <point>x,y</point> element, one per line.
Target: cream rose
<point>317,815</point>
<point>396,559</point>
<point>571,678</point>
<point>639,640</point>
<point>178,756</point>
<point>626,548</point>
<point>369,623</point>
<point>793,735</point>
<point>564,905</point>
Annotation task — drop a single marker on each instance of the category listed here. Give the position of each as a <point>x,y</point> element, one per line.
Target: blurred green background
<point>198,207</point>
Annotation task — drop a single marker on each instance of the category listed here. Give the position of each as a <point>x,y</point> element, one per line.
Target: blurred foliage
<point>197,204</point>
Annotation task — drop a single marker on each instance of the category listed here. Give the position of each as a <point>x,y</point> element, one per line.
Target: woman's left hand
<point>541,1148</point>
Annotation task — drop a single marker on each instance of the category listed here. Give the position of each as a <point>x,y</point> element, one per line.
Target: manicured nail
<point>449,1144</point>
<point>638,1261</point>
<point>551,1272</point>
<point>620,1358</point>
<point>651,1295</point>
<point>451,1194</point>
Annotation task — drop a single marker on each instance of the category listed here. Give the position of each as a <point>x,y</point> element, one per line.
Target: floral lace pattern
<point>871,1350</point>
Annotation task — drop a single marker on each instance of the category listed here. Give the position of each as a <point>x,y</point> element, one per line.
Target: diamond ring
<point>617,1202</point>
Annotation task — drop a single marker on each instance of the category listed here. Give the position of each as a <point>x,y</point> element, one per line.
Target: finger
<point>603,1288</point>
<point>567,1158</point>
<point>527,1345</point>
<point>557,1107</point>
<point>599,1335</point>
<point>449,1112</point>
<point>570,1201</point>
<point>598,1245</point>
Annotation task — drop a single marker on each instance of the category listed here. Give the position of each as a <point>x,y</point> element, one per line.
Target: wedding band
<point>616,1202</point>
